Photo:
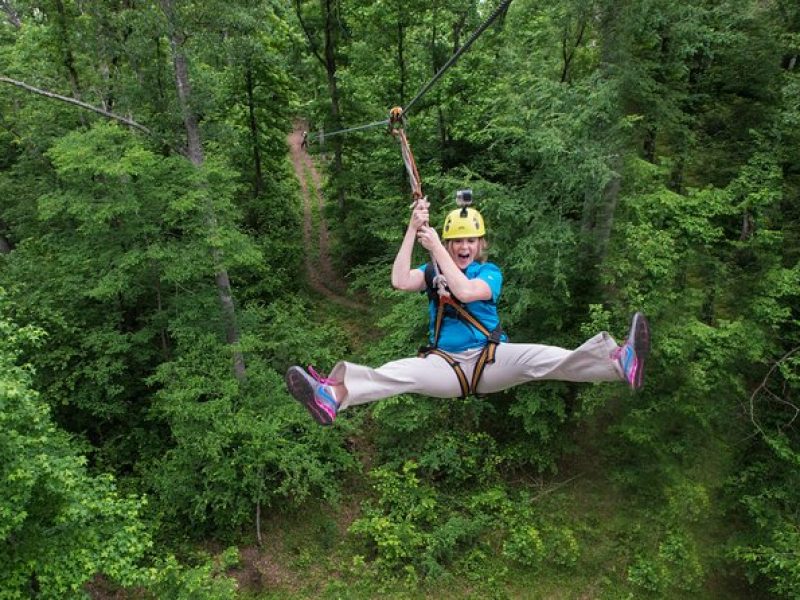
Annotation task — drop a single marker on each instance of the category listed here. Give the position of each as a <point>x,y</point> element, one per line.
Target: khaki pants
<point>514,364</point>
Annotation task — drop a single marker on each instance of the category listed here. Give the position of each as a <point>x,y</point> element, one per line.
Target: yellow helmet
<point>463,223</point>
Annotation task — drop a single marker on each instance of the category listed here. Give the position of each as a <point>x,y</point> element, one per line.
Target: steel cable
<point>424,90</point>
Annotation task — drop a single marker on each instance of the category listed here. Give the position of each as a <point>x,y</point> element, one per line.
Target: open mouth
<point>463,255</point>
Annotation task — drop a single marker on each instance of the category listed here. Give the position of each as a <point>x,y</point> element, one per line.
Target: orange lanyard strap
<point>396,120</point>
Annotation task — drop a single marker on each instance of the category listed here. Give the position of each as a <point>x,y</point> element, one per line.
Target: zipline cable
<point>491,19</point>
<point>358,128</point>
<point>396,120</point>
<point>476,34</point>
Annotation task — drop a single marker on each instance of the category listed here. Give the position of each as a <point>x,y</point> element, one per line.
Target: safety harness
<point>435,283</point>
<point>487,355</point>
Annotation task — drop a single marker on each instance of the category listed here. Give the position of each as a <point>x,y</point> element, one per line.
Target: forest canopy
<point>164,258</point>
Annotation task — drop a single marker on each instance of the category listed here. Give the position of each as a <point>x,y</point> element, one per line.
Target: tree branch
<point>312,45</point>
<point>554,487</point>
<point>11,14</point>
<point>763,387</point>
<point>569,55</point>
<point>124,120</point>
<point>5,245</point>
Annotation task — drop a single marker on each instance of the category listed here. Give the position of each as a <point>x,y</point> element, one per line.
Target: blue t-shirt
<point>456,335</point>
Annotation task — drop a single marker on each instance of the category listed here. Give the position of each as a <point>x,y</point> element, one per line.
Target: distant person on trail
<point>304,141</point>
<point>468,353</point>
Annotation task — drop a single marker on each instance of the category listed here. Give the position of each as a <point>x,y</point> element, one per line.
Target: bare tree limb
<point>555,486</point>
<point>314,49</point>
<point>196,155</point>
<point>124,120</point>
<point>5,244</point>
<point>763,387</point>
<point>11,14</point>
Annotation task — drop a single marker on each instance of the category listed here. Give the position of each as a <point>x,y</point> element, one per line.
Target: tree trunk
<point>11,13</point>
<point>258,178</point>
<point>435,66</point>
<point>108,60</point>
<point>5,245</point>
<point>568,49</point>
<point>162,330</point>
<point>604,220</point>
<point>258,524</point>
<point>401,61</point>
<point>675,181</point>
<point>67,57</point>
<point>333,90</point>
<point>649,143</point>
<point>196,156</point>
<point>608,210</point>
<point>327,57</point>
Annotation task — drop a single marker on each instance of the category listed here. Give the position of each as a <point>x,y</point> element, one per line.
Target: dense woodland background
<point>627,154</point>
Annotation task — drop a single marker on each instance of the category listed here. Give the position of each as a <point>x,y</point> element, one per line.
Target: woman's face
<point>464,251</point>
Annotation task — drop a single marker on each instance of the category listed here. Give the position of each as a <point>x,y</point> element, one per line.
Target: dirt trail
<point>320,272</point>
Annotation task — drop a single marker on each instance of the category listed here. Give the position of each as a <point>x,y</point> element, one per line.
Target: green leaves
<point>59,526</point>
<point>627,156</point>
<point>233,449</point>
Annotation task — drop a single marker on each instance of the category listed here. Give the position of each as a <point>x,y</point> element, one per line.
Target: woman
<point>461,340</point>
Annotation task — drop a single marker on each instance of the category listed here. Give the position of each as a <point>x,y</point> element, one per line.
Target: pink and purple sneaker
<point>314,392</point>
<point>632,355</point>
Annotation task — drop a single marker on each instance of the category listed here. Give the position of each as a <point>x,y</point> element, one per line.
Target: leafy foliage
<point>60,526</point>
<point>626,155</point>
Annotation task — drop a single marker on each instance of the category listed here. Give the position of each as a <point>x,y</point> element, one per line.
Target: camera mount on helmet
<point>464,200</point>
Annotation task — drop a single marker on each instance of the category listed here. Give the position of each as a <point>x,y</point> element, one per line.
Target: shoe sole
<point>302,391</point>
<point>640,338</point>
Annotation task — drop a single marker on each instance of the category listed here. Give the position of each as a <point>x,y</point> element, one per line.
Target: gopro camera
<point>464,199</point>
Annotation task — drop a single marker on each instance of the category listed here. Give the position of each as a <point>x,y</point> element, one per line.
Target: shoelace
<point>321,378</point>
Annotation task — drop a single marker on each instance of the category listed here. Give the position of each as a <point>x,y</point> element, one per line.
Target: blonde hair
<point>483,248</point>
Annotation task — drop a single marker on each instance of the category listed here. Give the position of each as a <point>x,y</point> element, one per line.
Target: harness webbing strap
<point>464,314</point>
<point>486,358</point>
<point>454,364</point>
<point>396,121</point>
<point>487,355</point>
<point>437,325</point>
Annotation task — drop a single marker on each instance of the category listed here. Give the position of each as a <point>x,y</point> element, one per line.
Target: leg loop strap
<point>486,357</point>
<point>426,351</point>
